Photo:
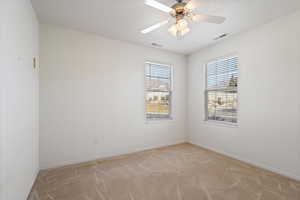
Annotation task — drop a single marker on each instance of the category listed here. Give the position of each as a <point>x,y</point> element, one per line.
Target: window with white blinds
<point>221,93</point>
<point>158,95</point>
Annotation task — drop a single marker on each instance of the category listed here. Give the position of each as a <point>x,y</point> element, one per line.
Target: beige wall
<point>18,99</point>
<point>92,98</point>
<point>268,132</point>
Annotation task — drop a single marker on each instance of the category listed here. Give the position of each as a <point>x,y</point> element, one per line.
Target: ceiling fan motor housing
<point>179,9</point>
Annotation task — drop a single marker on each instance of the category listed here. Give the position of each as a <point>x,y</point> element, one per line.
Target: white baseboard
<point>66,163</point>
<point>259,165</point>
<point>253,163</point>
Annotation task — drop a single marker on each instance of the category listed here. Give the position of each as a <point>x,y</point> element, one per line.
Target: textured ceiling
<point>123,19</point>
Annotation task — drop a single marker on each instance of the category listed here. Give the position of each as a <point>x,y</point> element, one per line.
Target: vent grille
<point>221,36</point>
<point>156,45</point>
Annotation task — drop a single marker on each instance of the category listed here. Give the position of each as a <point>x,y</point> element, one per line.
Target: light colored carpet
<point>180,172</point>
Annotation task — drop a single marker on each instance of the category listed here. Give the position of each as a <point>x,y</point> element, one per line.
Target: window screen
<point>158,91</point>
<point>221,94</point>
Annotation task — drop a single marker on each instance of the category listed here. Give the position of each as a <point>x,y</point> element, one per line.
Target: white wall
<point>18,99</point>
<point>92,98</point>
<point>269,99</point>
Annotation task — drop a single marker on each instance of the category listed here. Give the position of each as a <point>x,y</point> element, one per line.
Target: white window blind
<point>221,94</point>
<point>158,90</point>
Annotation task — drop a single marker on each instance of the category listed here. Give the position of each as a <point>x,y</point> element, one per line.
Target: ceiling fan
<point>182,12</point>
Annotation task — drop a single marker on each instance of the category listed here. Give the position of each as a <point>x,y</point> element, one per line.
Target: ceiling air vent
<point>221,36</point>
<point>156,45</point>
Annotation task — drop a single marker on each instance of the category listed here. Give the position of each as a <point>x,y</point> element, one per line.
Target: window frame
<point>170,115</point>
<point>217,122</point>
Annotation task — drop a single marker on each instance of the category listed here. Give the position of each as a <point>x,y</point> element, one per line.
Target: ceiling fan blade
<point>191,5</point>
<point>154,27</point>
<point>158,6</point>
<point>207,18</point>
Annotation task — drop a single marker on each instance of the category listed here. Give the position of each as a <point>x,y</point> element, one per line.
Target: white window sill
<point>220,123</point>
<point>158,120</point>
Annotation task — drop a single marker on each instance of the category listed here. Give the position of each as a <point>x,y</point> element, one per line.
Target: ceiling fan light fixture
<point>181,24</point>
<point>173,30</point>
<point>179,33</point>
<point>184,31</point>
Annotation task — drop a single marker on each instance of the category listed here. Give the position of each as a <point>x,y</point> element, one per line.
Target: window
<point>221,93</point>
<point>158,94</point>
